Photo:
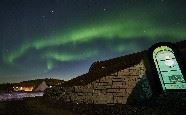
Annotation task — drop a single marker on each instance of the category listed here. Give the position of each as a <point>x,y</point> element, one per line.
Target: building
<point>135,77</point>
<point>41,87</point>
<point>26,88</point>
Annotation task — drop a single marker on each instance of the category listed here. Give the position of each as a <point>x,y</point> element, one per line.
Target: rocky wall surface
<point>115,88</point>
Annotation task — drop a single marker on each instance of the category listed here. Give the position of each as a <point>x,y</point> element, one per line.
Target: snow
<point>18,95</point>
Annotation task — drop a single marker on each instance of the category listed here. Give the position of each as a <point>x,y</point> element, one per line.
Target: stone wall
<point>115,88</point>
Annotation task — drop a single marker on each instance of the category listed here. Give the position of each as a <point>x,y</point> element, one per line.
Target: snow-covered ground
<point>18,95</point>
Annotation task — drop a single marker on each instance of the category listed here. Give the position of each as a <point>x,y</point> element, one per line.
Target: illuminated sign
<point>168,69</point>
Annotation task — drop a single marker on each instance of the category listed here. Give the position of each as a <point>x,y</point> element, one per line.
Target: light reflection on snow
<point>18,95</point>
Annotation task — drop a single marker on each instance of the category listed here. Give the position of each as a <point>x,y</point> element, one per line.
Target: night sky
<point>62,38</point>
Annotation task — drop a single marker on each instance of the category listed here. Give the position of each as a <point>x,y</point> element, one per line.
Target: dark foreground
<point>40,106</point>
<point>31,106</point>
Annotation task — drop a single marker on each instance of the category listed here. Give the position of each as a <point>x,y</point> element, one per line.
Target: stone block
<point>96,91</point>
<point>109,77</point>
<point>120,94</point>
<point>115,90</point>
<point>81,94</point>
<point>131,86</point>
<point>120,100</point>
<point>116,79</point>
<point>103,99</point>
<point>119,83</point>
<point>101,83</point>
<point>133,72</point>
<point>108,80</point>
<point>120,86</point>
<point>102,87</point>
<point>123,72</point>
<point>124,78</point>
<point>89,94</point>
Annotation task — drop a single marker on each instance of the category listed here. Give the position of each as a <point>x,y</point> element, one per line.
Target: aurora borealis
<point>62,38</point>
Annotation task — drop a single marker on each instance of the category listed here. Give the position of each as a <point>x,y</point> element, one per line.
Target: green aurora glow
<point>125,27</point>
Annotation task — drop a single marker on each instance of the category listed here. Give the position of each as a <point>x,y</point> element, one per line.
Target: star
<point>177,23</point>
<point>43,16</point>
<point>104,9</point>
<point>7,50</point>
<point>52,11</point>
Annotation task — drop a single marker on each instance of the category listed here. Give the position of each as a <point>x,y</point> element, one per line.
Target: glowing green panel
<point>168,69</point>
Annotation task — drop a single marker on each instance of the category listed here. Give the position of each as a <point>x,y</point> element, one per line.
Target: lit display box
<point>166,68</point>
<point>169,71</point>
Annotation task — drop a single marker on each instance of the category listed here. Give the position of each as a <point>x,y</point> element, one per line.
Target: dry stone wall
<point>112,89</point>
